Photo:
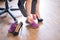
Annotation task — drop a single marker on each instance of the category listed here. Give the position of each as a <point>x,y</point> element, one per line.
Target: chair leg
<point>2,8</point>
<point>10,0</point>
<point>12,15</point>
<point>2,12</point>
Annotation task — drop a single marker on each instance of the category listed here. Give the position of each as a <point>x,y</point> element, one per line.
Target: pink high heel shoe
<point>33,24</point>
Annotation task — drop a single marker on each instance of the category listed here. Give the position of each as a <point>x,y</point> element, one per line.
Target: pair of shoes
<point>33,24</point>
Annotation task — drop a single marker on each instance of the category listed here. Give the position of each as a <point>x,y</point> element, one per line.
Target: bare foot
<point>29,19</point>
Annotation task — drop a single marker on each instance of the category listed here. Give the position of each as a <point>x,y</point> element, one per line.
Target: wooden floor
<point>48,30</point>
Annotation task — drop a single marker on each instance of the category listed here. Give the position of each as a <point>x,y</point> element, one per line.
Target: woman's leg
<point>28,9</point>
<point>38,12</point>
<point>25,11</point>
<point>21,7</point>
<point>33,9</point>
<point>37,9</point>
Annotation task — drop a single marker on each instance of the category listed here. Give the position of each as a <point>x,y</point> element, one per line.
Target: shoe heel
<point>39,20</point>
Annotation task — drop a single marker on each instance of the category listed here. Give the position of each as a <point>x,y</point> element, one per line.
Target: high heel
<point>33,24</point>
<point>39,20</point>
<point>16,32</point>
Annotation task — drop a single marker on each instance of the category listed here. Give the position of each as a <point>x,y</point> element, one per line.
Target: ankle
<point>29,19</point>
<point>34,16</point>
